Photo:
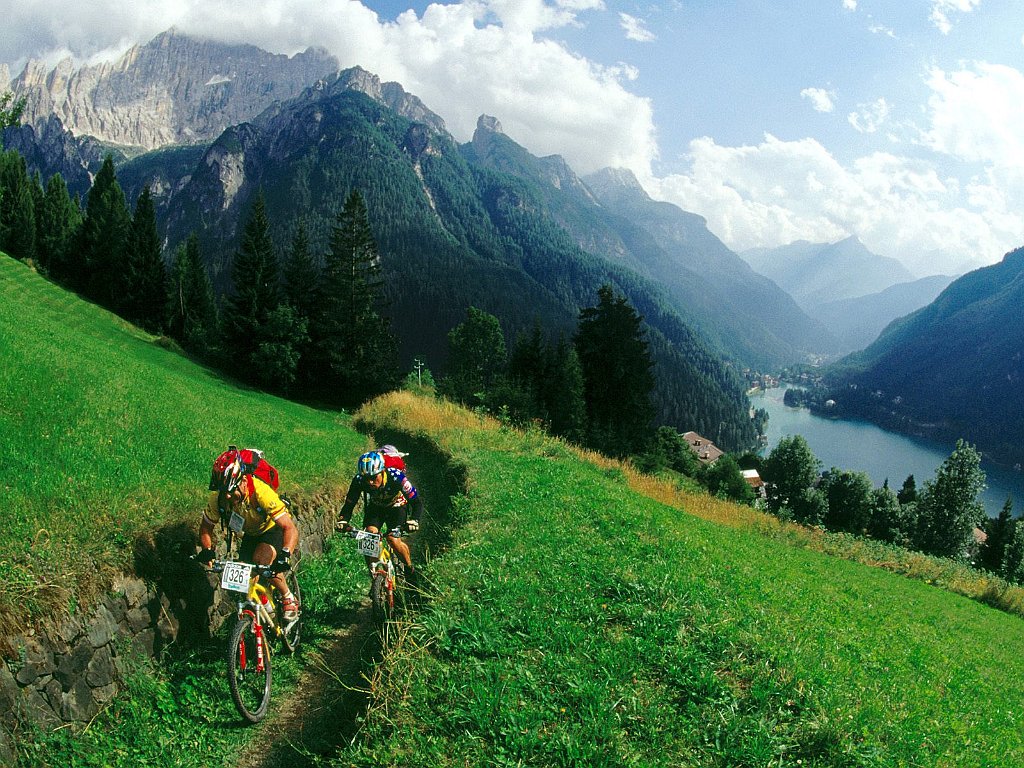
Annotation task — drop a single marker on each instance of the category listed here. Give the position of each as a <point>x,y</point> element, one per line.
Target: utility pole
<point>418,365</point>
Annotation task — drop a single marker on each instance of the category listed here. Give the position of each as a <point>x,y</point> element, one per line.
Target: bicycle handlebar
<point>352,531</point>
<point>217,566</point>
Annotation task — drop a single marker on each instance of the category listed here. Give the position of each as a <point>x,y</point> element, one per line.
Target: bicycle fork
<point>257,629</point>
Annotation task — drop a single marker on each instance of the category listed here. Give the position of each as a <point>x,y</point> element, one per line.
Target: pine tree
<point>256,292</point>
<point>355,354</point>
<point>104,240</point>
<point>17,213</point>
<point>564,394</point>
<point>192,312</point>
<point>998,533</point>
<point>1013,558</point>
<point>303,292</point>
<point>60,219</point>
<point>948,509</point>
<point>617,374</point>
<point>145,303</point>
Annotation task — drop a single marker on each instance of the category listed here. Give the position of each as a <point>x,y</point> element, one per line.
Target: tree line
<point>941,518</point>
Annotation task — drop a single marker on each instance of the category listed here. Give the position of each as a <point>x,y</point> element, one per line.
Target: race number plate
<point>368,544</point>
<point>236,577</point>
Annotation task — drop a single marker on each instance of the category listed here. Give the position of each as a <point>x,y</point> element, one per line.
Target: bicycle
<point>387,572</point>
<point>248,653</point>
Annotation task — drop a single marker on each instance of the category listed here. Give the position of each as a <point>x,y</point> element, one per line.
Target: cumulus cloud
<point>940,12</point>
<point>780,191</point>
<point>869,117</point>
<point>821,100</point>
<point>636,29</point>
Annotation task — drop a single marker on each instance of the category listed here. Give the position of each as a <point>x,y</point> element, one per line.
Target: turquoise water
<point>865,447</point>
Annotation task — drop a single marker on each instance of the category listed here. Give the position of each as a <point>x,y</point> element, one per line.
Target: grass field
<point>581,615</point>
<point>107,436</point>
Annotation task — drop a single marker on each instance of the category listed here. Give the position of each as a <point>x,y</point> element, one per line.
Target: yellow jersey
<point>256,513</point>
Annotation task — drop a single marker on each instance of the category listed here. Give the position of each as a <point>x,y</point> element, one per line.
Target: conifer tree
<point>617,374</point>
<point>192,312</point>
<point>145,303</point>
<point>104,240</point>
<point>17,212</point>
<point>303,293</point>
<point>60,218</point>
<point>256,291</point>
<point>564,396</point>
<point>998,533</point>
<point>354,347</point>
<point>1013,558</point>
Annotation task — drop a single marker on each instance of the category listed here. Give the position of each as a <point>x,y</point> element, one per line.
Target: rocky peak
<point>488,124</point>
<point>392,95</point>
<point>175,89</point>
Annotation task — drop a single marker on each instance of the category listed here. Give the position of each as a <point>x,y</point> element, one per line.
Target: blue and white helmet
<point>371,464</point>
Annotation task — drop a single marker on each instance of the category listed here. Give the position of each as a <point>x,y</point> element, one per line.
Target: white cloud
<point>850,5</point>
<point>878,29</point>
<point>781,191</point>
<point>821,100</point>
<point>636,29</point>
<point>869,117</point>
<point>941,9</point>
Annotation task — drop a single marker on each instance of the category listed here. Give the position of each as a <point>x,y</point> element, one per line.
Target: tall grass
<point>108,435</point>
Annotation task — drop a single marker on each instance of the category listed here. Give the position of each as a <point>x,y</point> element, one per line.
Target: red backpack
<point>253,464</point>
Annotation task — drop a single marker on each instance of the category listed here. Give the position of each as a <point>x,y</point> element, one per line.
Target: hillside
<point>953,367</point>
<point>858,321</point>
<point>109,435</point>
<point>579,613</point>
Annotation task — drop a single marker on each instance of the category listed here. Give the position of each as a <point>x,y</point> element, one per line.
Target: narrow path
<point>323,711</point>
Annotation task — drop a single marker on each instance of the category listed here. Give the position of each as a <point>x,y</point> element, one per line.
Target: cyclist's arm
<point>351,499</point>
<point>207,525</point>
<point>289,530</point>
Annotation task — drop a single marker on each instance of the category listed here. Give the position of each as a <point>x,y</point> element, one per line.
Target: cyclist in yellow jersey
<point>252,509</point>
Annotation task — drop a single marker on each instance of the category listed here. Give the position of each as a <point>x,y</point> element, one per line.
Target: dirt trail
<point>323,711</point>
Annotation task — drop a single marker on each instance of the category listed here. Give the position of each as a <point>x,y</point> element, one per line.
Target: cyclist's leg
<point>373,521</point>
<point>396,519</point>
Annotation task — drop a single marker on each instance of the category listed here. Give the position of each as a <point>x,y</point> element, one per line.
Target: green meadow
<point>579,614</point>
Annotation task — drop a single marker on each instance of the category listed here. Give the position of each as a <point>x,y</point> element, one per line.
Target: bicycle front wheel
<point>381,598</point>
<point>249,670</point>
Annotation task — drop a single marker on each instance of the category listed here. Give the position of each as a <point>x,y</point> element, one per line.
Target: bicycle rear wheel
<point>248,679</point>
<point>292,631</point>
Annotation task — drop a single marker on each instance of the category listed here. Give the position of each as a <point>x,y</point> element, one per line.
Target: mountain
<point>744,316</point>
<point>452,234</point>
<point>857,322</point>
<point>175,89</point>
<point>954,368</point>
<point>817,273</point>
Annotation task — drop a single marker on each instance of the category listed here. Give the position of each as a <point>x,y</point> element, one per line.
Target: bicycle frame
<point>375,546</point>
<point>258,602</point>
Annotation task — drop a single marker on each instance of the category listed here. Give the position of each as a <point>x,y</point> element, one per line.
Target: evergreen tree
<point>1013,558</point>
<point>255,280</point>
<point>527,367</point>
<point>617,374</point>
<point>998,533</point>
<point>564,394</point>
<point>276,359</point>
<point>908,493</point>
<point>304,293</point>
<point>948,509</point>
<point>352,343</point>
<point>17,212</point>
<point>789,473</point>
<point>145,303</point>
<point>104,241</point>
<point>60,219</point>
<point>192,314</point>
<point>477,358</point>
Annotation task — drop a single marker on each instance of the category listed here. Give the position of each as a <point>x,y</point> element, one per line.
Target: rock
<point>102,628</point>
<point>100,671</point>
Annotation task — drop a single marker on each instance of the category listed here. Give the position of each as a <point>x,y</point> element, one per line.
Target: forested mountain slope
<point>451,235</point>
<point>955,366</point>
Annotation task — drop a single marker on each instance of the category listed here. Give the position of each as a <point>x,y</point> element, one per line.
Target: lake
<point>865,447</point>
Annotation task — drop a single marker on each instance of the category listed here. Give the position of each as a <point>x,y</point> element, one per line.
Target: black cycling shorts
<point>385,518</point>
<point>274,537</point>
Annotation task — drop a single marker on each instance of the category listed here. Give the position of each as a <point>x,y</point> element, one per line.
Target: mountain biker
<point>390,501</point>
<point>250,507</point>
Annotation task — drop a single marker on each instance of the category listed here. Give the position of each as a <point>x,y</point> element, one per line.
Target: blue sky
<point>898,121</point>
